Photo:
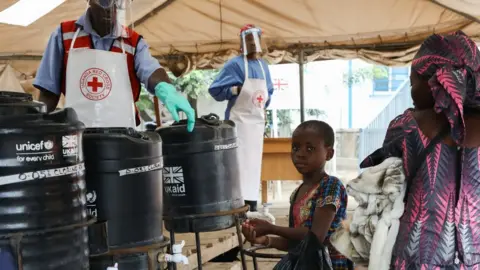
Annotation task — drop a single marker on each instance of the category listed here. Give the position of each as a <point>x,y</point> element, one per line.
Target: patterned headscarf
<point>451,64</point>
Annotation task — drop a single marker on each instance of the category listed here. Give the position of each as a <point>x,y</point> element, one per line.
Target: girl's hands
<point>262,227</point>
<point>251,235</point>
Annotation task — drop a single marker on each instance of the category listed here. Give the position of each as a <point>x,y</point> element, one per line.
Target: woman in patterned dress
<point>319,204</point>
<point>440,228</point>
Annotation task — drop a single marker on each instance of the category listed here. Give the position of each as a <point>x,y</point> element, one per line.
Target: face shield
<point>250,41</point>
<point>116,14</point>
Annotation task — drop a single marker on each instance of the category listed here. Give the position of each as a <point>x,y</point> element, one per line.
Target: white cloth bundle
<point>370,235</point>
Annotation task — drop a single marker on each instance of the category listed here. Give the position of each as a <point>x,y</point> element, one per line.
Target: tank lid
<point>10,97</point>
<point>208,127</point>
<point>14,104</point>
<point>130,132</point>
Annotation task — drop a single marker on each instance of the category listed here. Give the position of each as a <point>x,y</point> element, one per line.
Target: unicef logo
<point>91,196</point>
<point>48,145</point>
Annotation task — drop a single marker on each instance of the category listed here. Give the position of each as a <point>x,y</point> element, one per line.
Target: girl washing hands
<point>318,205</point>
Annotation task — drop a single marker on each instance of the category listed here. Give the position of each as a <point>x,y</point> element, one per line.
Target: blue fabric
<point>233,74</point>
<point>105,3</point>
<point>7,262</point>
<point>49,74</point>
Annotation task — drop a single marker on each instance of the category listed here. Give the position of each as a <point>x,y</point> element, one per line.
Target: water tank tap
<point>267,214</point>
<point>176,257</point>
<point>115,267</point>
<point>265,207</point>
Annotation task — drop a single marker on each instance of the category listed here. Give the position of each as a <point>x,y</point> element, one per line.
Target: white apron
<point>98,87</point>
<point>248,115</point>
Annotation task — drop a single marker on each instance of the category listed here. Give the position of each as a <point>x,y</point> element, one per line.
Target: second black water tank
<point>201,174</point>
<point>124,184</point>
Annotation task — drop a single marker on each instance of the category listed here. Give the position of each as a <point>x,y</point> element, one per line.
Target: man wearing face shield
<point>246,83</point>
<point>98,63</point>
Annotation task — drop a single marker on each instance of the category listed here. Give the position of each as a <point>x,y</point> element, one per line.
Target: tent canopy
<point>187,34</point>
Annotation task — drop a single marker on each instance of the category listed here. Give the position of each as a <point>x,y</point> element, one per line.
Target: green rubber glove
<point>174,101</point>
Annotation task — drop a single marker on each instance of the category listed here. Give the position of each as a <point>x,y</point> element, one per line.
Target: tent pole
<point>301,59</point>
<point>350,99</point>
<point>156,105</point>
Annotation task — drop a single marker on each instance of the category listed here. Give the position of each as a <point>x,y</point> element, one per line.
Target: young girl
<point>319,204</point>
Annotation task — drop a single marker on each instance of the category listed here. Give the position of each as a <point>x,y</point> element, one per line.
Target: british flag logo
<point>173,175</point>
<point>70,141</point>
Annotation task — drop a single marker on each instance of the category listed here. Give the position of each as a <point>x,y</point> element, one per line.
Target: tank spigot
<point>267,214</point>
<point>115,267</point>
<point>177,248</point>
<point>265,207</point>
<point>176,257</point>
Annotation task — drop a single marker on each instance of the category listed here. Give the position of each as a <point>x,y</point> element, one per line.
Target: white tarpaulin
<point>468,7</point>
<point>9,80</point>
<point>204,33</point>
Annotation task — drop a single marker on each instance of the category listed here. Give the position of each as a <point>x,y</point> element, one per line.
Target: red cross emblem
<point>259,99</point>
<point>280,84</point>
<point>95,84</point>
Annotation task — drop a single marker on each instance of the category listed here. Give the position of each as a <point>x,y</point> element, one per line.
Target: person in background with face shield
<point>98,63</point>
<point>246,83</point>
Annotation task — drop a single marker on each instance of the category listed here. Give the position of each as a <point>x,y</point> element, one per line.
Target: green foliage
<point>195,83</point>
<point>145,101</point>
<point>268,122</point>
<point>362,74</point>
<point>315,112</point>
<point>284,117</point>
<point>145,105</point>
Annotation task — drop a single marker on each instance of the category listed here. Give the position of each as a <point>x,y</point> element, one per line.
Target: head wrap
<point>451,64</point>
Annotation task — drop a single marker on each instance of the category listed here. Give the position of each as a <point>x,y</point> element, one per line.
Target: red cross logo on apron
<point>259,99</point>
<point>95,84</point>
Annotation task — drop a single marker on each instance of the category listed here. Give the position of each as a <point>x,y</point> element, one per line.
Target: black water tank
<point>42,187</point>
<point>124,184</point>
<point>201,174</point>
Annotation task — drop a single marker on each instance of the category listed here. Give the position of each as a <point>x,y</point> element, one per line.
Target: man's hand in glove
<point>174,101</point>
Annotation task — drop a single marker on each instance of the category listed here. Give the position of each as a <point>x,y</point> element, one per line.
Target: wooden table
<point>276,163</point>
<point>213,244</point>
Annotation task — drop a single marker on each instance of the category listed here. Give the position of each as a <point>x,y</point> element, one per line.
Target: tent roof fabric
<point>205,32</point>
<point>210,26</point>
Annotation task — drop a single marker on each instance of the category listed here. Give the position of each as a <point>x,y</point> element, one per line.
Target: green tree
<point>362,74</point>
<point>268,122</point>
<point>284,121</point>
<point>145,105</point>
<point>284,118</point>
<point>195,84</point>
<point>316,112</point>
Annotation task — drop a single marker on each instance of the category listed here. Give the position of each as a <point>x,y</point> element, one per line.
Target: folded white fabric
<point>371,233</point>
<point>260,215</point>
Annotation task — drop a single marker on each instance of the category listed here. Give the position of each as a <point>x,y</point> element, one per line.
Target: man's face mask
<point>250,41</point>
<point>115,13</point>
